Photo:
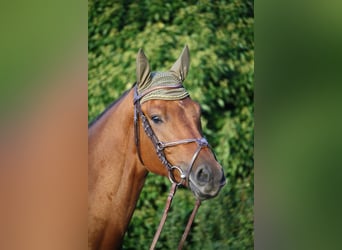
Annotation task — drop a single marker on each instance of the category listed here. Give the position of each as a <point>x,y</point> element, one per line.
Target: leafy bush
<point>220,37</point>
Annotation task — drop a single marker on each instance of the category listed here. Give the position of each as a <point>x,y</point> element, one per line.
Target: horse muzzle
<point>206,182</point>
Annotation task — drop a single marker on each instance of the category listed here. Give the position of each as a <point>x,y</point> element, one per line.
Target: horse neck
<point>116,176</point>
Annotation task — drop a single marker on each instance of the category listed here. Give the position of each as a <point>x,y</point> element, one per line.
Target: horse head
<point>170,140</point>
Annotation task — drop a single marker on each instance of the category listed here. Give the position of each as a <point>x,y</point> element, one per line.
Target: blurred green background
<point>220,37</point>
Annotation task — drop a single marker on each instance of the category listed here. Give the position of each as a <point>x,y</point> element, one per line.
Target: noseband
<point>159,147</point>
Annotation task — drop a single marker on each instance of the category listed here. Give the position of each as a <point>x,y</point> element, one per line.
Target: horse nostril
<point>203,175</point>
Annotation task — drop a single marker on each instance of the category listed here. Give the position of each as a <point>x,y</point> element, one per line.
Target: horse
<point>153,127</point>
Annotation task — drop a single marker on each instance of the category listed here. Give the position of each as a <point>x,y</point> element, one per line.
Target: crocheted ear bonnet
<point>147,80</point>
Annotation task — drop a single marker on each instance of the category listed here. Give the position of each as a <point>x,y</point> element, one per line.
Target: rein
<point>159,147</point>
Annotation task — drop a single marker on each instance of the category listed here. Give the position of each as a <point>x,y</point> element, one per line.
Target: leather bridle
<point>159,147</point>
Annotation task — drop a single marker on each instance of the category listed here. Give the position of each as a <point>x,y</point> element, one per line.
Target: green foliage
<point>220,37</point>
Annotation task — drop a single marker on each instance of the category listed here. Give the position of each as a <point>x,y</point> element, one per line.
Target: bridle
<point>159,147</point>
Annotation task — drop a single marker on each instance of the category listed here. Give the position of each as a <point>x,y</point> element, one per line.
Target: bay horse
<point>154,127</point>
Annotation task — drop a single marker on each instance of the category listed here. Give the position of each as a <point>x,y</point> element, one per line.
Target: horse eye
<point>156,119</point>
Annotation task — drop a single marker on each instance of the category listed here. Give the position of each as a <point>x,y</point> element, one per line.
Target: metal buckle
<point>202,142</point>
<point>160,145</point>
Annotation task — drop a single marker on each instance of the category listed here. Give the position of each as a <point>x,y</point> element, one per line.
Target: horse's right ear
<point>181,66</point>
<point>143,71</point>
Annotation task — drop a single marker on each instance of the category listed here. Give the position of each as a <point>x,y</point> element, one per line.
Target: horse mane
<point>110,106</point>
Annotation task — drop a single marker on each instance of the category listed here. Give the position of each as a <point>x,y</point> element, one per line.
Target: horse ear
<point>181,66</point>
<point>143,70</point>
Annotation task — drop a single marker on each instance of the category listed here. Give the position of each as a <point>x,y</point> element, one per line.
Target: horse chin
<point>201,194</point>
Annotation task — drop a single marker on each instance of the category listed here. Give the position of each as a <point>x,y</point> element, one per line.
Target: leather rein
<point>159,147</point>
